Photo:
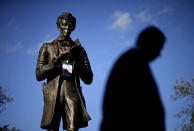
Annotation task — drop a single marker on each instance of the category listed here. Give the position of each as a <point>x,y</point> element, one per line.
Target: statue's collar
<point>65,41</point>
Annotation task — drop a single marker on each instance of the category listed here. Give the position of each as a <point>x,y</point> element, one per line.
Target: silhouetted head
<point>66,23</point>
<point>151,41</point>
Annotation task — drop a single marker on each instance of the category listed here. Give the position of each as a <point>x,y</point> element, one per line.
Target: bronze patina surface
<point>62,63</point>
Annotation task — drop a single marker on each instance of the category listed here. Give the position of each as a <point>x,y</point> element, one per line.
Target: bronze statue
<point>132,101</point>
<point>63,62</point>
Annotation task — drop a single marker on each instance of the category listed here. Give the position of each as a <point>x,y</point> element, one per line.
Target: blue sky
<point>106,29</point>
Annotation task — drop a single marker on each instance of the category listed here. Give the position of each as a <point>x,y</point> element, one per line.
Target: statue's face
<point>66,27</point>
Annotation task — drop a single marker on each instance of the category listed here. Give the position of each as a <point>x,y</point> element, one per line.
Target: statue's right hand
<point>63,55</point>
<point>56,60</point>
<point>60,57</point>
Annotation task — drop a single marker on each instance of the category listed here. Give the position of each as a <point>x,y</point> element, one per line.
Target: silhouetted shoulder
<point>130,58</point>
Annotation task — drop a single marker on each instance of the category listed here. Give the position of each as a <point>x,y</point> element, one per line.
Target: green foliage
<point>5,128</point>
<point>184,90</point>
<point>4,98</point>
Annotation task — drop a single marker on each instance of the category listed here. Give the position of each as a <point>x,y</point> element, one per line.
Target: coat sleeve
<point>43,67</point>
<point>85,70</point>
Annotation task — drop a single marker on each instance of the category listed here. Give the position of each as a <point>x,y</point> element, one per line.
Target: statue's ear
<point>73,27</point>
<point>58,26</point>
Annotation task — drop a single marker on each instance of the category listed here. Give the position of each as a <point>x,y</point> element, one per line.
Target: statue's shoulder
<point>51,43</point>
<point>77,42</point>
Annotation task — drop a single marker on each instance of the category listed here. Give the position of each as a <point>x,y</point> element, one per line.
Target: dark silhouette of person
<point>131,100</point>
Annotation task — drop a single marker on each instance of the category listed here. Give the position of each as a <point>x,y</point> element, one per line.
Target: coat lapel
<point>56,47</point>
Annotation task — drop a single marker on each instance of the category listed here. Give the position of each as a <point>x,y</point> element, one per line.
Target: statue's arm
<point>86,73</point>
<point>43,67</point>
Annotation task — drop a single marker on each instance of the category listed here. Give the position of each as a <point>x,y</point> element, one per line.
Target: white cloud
<point>166,10</point>
<point>14,48</point>
<point>122,21</point>
<point>145,16</point>
<point>34,50</point>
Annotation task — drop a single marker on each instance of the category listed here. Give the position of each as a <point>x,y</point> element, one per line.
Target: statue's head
<point>66,23</point>
<point>151,41</point>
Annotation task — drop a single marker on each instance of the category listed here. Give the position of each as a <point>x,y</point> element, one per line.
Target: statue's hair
<point>66,16</point>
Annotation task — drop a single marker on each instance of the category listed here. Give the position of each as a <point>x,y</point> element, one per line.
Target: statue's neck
<point>64,38</point>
